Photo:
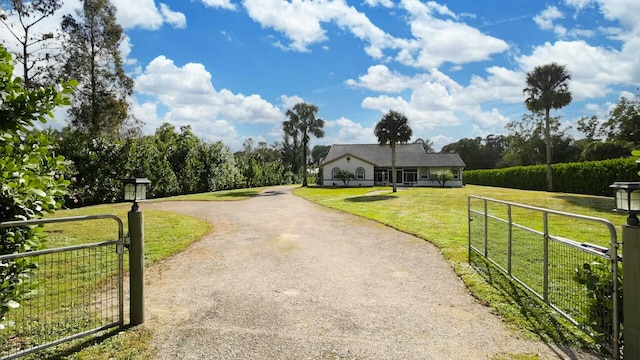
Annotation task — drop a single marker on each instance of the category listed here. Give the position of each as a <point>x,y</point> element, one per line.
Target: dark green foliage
<point>624,121</point>
<point>598,150</point>
<point>547,88</point>
<point>592,178</point>
<point>301,125</point>
<point>30,176</point>
<point>442,177</point>
<point>479,153</point>
<point>319,153</point>
<point>91,45</point>
<point>392,129</point>
<point>597,279</point>
<point>261,165</point>
<point>175,163</point>
<point>345,176</point>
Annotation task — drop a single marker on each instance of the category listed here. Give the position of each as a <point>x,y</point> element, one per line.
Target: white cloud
<point>579,4</point>
<point>435,40</point>
<point>438,41</point>
<point>546,18</point>
<point>224,4</point>
<point>380,78</point>
<point>491,121</point>
<point>302,23</point>
<point>174,18</point>
<point>299,21</point>
<point>440,140</point>
<point>190,97</point>
<point>420,118</point>
<point>591,73</point>
<point>145,14</point>
<point>625,11</point>
<point>374,3</point>
<point>289,101</point>
<point>346,131</point>
<point>436,100</point>
<point>500,84</point>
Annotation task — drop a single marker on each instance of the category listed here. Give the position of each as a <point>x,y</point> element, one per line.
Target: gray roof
<point>407,155</point>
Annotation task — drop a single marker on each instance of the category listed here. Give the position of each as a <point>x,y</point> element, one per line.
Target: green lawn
<point>435,214</point>
<point>439,215</point>
<point>63,283</point>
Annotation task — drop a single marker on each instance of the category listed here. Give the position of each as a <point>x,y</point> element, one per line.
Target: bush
<point>590,178</point>
<point>30,176</point>
<point>596,277</point>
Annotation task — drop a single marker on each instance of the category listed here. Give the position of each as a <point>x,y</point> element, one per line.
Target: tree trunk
<point>393,166</point>
<point>25,59</point>
<point>547,135</point>
<point>304,163</point>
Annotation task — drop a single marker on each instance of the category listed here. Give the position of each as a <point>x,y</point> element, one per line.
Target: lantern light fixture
<point>627,197</point>
<point>135,189</point>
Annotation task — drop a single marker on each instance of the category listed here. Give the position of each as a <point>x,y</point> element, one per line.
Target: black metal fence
<point>74,291</point>
<point>559,257</point>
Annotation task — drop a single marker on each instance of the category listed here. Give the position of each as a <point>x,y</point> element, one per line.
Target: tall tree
<point>302,124</point>
<point>624,121</point>
<point>427,145</point>
<point>547,88</point>
<point>393,128</point>
<point>100,105</point>
<point>319,153</point>
<point>589,127</point>
<point>30,181</point>
<point>35,52</point>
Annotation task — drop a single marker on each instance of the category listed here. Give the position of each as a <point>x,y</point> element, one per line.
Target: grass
<point>226,195</point>
<point>439,215</point>
<point>166,234</point>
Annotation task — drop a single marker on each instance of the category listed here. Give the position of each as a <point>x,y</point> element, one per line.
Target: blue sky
<point>231,68</point>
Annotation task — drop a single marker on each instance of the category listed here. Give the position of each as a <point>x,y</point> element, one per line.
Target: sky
<point>231,68</point>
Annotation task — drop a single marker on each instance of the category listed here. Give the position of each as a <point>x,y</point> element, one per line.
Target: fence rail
<point>75,291</point>
<point>551,254</point>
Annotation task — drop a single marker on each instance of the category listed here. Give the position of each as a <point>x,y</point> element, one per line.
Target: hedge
<point>589,177</point>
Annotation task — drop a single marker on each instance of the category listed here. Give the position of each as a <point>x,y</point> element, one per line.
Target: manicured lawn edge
<point>446,209</point>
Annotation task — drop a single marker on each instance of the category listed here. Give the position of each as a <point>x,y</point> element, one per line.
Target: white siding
<point>350,166</point>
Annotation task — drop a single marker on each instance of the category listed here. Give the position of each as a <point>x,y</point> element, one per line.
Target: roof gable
<point>326,162</point>
<point>407,155</point>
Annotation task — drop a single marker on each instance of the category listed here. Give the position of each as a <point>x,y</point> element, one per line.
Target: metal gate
<point>552,254</point>
<point>71,292</point>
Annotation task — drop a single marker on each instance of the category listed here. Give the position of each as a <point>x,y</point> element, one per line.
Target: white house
<point>371,165</point>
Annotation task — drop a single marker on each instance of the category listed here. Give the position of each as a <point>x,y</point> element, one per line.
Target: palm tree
<point>303,122</point>
<point>547,88</point>
<point>391,129</point>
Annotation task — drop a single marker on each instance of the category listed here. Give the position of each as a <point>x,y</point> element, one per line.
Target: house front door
<point>399,179</point>
<point>380,177</point>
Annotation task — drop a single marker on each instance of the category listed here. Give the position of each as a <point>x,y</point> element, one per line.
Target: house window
<point>456,174</point>
<point>360,173</point>
<point>335,173</point>
<point>410,176</point>
<point>424,173</point>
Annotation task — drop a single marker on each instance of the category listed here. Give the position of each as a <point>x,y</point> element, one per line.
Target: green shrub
<point>596,277</point>
<point>590,177</point>
<point>30,176</point>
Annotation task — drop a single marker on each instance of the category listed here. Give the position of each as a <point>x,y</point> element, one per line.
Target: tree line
<point>539,138</point>
<point>103,141</point>
<point>524,144</point>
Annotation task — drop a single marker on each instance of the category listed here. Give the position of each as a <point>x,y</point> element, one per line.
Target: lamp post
<point>627,196</point>
<point>135,190</point>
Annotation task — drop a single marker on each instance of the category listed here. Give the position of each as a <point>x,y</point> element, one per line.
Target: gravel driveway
<point>282,278</point>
